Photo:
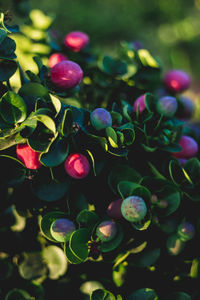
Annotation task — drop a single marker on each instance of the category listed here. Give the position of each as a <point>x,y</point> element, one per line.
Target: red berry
<point>76,40</point>
<point>77,165</point>
<point>177,81</point>
<point>66,74</point>
<point>114,209</point>
<point>55,58</point>
<point>139,104</point>
<point>28,156</point>
<point>189,147</point>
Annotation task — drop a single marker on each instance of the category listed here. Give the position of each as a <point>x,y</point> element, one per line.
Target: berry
<point>61,229</point>
<point>114,209</point>
<point>76,40</point>
<point>185,109</point>
<point>182,161</point>
<point>100,118</point>
<point>66,74</point>
<point>77,165</point>
<point>55,58</point>
<point>186,231</point>
<point>133,209</point>
<point>28,156</point>
<point>139,104</point>
<point>189,147</point>
<point>167,106</point>
<point>176,81</point>
<point>106,231</point>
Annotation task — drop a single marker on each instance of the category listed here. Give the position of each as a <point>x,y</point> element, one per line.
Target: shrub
<point>93,182</point>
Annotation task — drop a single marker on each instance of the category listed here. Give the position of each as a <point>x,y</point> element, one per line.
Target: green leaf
<point>67,121</point>
<point>55,260</point>
<point>56,103</point>
<point>192,167</point>
<point>179,296</point>
<point>57,153</point>
<point>112,66</point>
<point>150,101</point>
<point>129,136</point>
<point>78,243</point>
<point>73,259</point>
<point>33,89</point>
<point>47,220</point>
<point>176,172</point>
<point>87,219</point>
<point>3,35</point>
<point>6,268</point>
<point>146,259</point>
<point>115,242</point>
<point>32,266</point>
<point>126,188</point>
<point>32,76</point>
<point>46,120</point>
<point>112,137</point>
<point>12,108</point>
<point>102,294</point>
<point>122,172</point>
<point>18,294</point>
<point>7,48</point>
<point>49,190</point>
<point>143,294</point>
<point>147,59</point>
<point>7,69</point>
<point>172,196</point>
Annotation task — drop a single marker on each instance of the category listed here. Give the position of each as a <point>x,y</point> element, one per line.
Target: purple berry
<point>61,229</point>
<point>189,148</point>
<point>133,209</point>
<point>66,74</point>
<point>176,81</point>
<point>186,231</point>
<point>114,209</point>
<point>167,106</point>
<point>100,118</point>
<point>139,104</point>
<point>186,108</point>
<point>106,231</point>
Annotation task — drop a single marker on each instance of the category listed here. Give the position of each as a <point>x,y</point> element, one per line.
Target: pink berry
<point>55,58</point>
<point>114,209</point>
<point>28,156</point>
<point>76,40</point>
<point>66,74</point>
<point>77,165</point>
<point>139,104</point>
<point>177,81</point>
<point>189,147</point>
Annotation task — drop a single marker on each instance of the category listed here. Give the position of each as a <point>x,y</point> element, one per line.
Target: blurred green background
<point>170,29</point>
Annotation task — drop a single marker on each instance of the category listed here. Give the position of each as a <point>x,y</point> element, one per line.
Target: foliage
<point>132,156</point>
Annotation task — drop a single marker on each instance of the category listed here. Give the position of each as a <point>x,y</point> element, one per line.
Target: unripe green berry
<point>61,229</point>
<point>186,231</point>
<point>106,230</point>
<point>133,209</point>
